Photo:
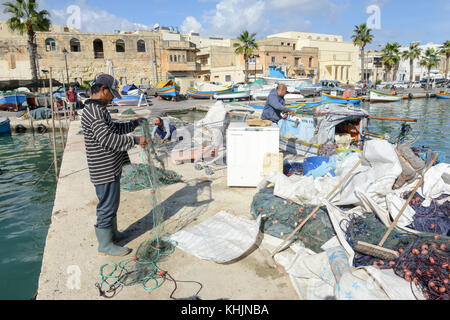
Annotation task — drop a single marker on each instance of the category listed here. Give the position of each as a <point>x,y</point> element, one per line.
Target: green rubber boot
<point>118,236</point>
<point>106,247</point>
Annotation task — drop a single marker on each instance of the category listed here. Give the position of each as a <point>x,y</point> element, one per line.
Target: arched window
<point>50,45</point>
<point>75,45</point>
<point>98,49</point>
<point>175,58</point>
<point>171,59</point>
<point>179,59</point>
<point>120,46</point>
<point>141,46</point>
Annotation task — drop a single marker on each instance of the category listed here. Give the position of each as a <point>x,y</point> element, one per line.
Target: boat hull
<point>5,126</point>
<point>442,96</point>
<point>383,97</point>
<point>12,102</point>
<point>233,95</point>
<point>169,91</point>
<point>206,94</point>
<point>334,99</point>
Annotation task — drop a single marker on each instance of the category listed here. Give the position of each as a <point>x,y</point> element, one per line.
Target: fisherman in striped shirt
<point>106,144</point>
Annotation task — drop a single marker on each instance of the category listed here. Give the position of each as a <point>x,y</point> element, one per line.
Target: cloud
<point>231,17</point>
<point>190,24</point>
<point>93,19</point>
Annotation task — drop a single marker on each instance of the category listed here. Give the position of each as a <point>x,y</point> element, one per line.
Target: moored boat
<point>376,96</point>
<point>167,88</point>
<point>12,101</point>
<point>335,99</point>
<point>236,95</point>
<point>5,126</point>
<point>207,91</point>
<point>442,95</point>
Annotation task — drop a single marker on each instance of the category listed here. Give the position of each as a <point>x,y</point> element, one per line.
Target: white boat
<point>233,95</point>
<point>376,96</point>
<point>292,82</point>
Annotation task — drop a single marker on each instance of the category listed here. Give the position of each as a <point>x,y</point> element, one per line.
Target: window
<point>123,81</point>
<point>284,59</point>
<point>50,45</point>
<point>175,58</point>
<point>184,59</point>
<point>288,44</point>
<point>282,43</point>
<point>296,60</point>
<point>120,46</point>
<point>227,78</point>
<point>98,49</point>
<point>310,62</point>
<point>273,59</point>
<point>141,46</point>
<point>75,45</point>
<point>179,59</point>
<point>66,29</point>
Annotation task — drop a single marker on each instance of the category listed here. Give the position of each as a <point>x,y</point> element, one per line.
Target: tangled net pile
<point>423,260</point>
<point>142,268</point>
<point>433,219</point>
<point>281,217</point>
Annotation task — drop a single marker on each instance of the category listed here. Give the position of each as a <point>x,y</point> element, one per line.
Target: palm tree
<point>430,60</point>
<point>445,49</point>
<point>391,57</point>
<point>412,54</point>
<point>362,37</point>
<point>246,47</point>
<point>26,19</point>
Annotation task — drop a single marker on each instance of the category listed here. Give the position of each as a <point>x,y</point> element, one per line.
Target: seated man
<point>164,129</point>
<point>275,105</point>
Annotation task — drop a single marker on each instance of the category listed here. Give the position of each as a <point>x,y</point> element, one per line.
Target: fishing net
<point>423,259</point>
<point>142,268</point>
<point>281,217</point>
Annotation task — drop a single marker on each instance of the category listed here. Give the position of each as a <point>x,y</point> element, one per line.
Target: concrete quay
<point>70,267</point>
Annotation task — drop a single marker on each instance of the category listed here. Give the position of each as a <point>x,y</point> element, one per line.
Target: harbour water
<point>26,196</point>
<point>26,202</point>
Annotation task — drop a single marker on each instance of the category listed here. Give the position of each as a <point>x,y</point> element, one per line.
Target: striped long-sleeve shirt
<point>106,142</point>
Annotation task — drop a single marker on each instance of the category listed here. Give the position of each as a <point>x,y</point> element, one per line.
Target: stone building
<point>337,59</point>
<point>298,62</point>
<point>139,57</point>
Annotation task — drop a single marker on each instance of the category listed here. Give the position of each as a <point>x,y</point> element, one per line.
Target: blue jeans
<point>108,202</point>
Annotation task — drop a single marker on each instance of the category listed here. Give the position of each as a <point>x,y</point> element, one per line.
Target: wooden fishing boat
<point>235,95</point>
<point>194,93</point>
<point>167,88</point>
<point>12,101</point>
<point>335,99</point>
<point>376,96</point>
<point>5,126</point>
<point>442,95</point>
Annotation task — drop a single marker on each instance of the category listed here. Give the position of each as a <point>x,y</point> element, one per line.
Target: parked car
<point>434,83</point>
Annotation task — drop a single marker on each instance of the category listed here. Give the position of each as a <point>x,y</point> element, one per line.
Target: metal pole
<point>53,126</point>
<point>67,70</point>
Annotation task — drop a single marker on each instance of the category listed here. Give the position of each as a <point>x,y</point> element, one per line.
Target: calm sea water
<point>25,210</point>
<point>26,204</point>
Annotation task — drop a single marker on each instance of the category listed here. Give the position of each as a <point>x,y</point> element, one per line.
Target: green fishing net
<point>281,217</point>
<point>142,268</point>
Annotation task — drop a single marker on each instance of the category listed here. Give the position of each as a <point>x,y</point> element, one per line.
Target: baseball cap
<point>110,82</point>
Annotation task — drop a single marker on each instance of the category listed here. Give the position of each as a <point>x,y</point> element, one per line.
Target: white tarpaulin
<point>329,274</point>
<point>376,175</point>
<point>221,238</point>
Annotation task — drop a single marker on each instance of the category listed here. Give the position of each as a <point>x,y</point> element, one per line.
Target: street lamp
<point>65,58</point>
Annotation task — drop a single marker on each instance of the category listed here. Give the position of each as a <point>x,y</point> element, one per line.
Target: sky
<point>402,21</point>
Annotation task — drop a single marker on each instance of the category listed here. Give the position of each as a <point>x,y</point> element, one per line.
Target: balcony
<point>188,66</point>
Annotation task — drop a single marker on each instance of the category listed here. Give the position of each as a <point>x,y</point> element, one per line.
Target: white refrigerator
<point>246,149</point>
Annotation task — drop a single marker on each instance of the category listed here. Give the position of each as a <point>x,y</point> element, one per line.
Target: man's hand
<point>143,141</point>
<point>163,141</point>
<point>141,121</point>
